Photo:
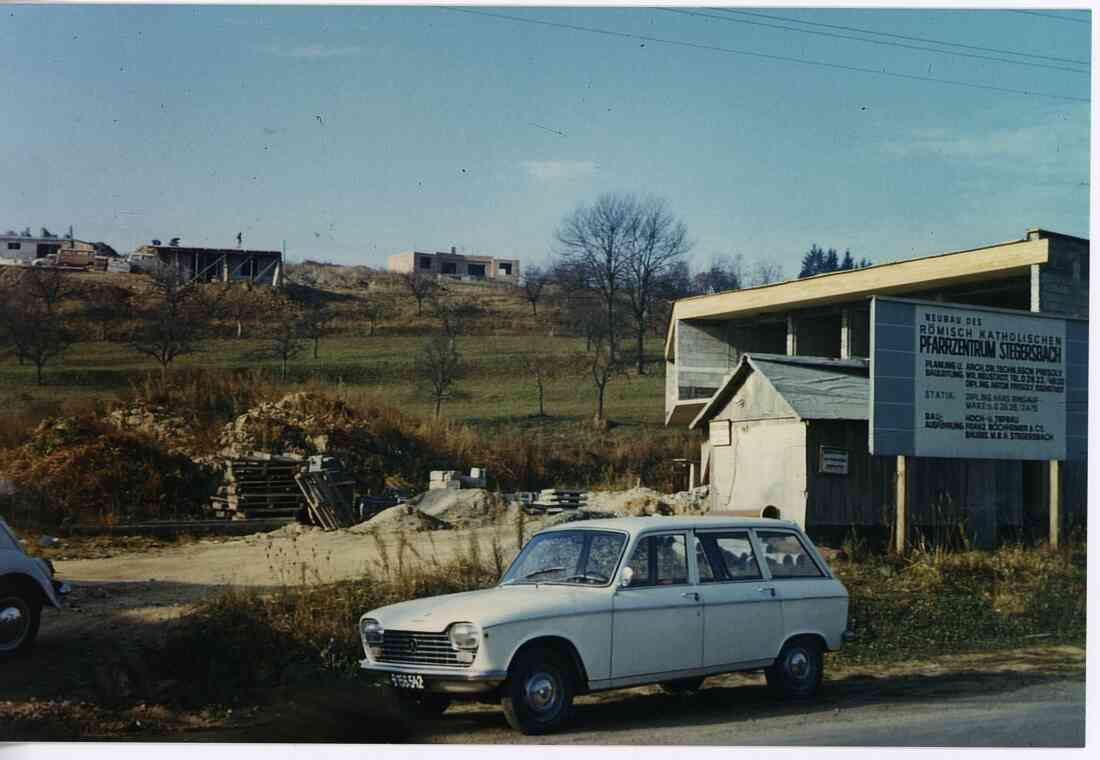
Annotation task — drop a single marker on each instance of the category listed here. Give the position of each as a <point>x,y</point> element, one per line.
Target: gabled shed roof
<point>815,388</point>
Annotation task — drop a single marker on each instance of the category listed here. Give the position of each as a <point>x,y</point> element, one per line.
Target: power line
<point>1054,16</point>
<point>767,56</point>
<point>901,36</point>
<point>874,42</point>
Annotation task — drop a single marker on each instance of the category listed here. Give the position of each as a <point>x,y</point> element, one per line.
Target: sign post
<point>973,382</point>
<point>901,528</point>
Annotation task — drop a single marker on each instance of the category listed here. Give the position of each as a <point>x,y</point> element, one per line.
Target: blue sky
<point>355,133</point>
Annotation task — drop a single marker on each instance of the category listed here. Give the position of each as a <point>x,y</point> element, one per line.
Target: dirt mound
<point>175,431</point>
<point>376,446</point>
<point>83,470</point>
<point>462,508</point>
<point>401,517</point>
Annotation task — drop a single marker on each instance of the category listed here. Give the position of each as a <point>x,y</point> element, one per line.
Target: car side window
<point>787,557</point>
<point>660,561</point>
<point>729,556</point>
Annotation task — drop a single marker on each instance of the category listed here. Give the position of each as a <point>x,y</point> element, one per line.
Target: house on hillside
<point>456,265</point>
<point>23,250</point>
<point>781,379</point>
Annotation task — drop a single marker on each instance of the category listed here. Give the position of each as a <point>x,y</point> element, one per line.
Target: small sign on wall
<point>833,461</point>
<point>720,433</point>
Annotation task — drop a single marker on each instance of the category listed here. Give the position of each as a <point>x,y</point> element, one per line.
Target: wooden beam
<point>901,528</point>
<point>1055,502</point>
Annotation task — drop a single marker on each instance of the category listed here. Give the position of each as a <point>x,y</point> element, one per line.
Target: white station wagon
<point>606,604</point>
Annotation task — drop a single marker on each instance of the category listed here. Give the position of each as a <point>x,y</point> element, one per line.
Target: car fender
<point>589,634</point>
<point>29,569</point>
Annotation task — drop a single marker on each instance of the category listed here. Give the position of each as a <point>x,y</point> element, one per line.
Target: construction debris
<point>329,493</point>
<point>553,500</point>
<point>454,479</point>
<point>260,486</point>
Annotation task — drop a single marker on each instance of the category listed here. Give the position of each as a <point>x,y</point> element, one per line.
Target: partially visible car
<point>27,584</point>
<point>608,604</point>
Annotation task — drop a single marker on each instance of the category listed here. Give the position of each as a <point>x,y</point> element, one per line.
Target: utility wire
<point>767,56</point>
<point>1054,16</point>
<point>875,42</point>
<point>901,36</point>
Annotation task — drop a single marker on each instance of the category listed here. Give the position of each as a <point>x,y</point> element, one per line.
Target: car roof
<point>640,524</point>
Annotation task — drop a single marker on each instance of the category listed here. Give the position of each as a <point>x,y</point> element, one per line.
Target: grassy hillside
<point>365,354</point>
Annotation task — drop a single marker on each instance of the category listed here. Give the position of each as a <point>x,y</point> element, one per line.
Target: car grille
<point>408,648</point>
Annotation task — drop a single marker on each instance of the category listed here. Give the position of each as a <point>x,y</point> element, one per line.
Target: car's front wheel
<point>20,615</point>
<point>798,669</point>
<point>538,695</point>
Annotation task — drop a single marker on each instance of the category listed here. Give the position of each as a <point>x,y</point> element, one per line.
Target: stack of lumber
<point>555,500</point>
<point>329,493</point>
<point>259,486</point>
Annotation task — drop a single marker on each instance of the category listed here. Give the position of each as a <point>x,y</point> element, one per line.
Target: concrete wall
<point>455,265</point>
<point>703,358</point>
<point>1061,286</point>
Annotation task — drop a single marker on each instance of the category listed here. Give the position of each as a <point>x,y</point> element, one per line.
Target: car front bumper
<point>438,680</point>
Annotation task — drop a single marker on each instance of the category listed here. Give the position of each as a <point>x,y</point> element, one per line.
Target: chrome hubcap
<point>541,692</point>
<point>14,623</point>
<point>798,664</point>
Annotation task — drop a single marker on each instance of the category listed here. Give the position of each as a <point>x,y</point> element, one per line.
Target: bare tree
<point>540,368</point>
<point>724,273</point>
<point>104,306</point>
<point>582,314</point>
<point>34,332</point>
<point>285,328</point>
<point>439,368</point>
<point>603,365</point>
<point>658,241</point>
<point>456,315</point>
<point>316,322</point>
<point>173,318</point>
<point>242,304</point>
<point>594,246</point>
<point>420,286</point>
<point>534,282</point>
<point>765,272</point>
<point>47,287</point>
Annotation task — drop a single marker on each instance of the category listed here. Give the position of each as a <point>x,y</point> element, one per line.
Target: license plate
<point>402,681</point>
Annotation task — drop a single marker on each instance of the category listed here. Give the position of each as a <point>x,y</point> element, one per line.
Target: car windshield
<point>581,557</point>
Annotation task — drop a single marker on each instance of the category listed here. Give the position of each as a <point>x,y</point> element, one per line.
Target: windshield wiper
<point>543,571</point>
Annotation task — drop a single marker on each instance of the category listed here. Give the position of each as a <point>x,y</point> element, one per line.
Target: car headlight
<point>465,637</point>
<point>371,632</point>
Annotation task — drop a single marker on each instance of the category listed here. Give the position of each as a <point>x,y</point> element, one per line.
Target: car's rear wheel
<point>798,669</point>
<point>682,685</point>
<point>538,696</point>
<point>20,615</point>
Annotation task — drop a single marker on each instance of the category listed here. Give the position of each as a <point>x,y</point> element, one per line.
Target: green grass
<point>495,395</point>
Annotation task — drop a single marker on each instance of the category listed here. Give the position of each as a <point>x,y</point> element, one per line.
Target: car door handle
<point>766,590</point>
<point>690,595</point>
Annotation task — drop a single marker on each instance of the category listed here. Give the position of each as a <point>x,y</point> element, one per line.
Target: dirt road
<point>289,556</point>
<point>954,702</point>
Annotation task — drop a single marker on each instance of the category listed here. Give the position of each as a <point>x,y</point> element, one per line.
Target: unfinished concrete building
<point>456,265</point>
<point>778,375</point>
<point>213,264</point>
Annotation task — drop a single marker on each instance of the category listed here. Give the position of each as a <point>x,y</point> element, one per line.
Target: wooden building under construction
<point>213,264</point>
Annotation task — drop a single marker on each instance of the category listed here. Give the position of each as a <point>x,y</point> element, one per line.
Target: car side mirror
<point>626,576</point>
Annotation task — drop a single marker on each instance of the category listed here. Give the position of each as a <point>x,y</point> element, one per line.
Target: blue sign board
<point>977,383</point>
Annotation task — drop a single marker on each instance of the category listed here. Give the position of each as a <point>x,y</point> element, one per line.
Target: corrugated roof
<point>816,388</point>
